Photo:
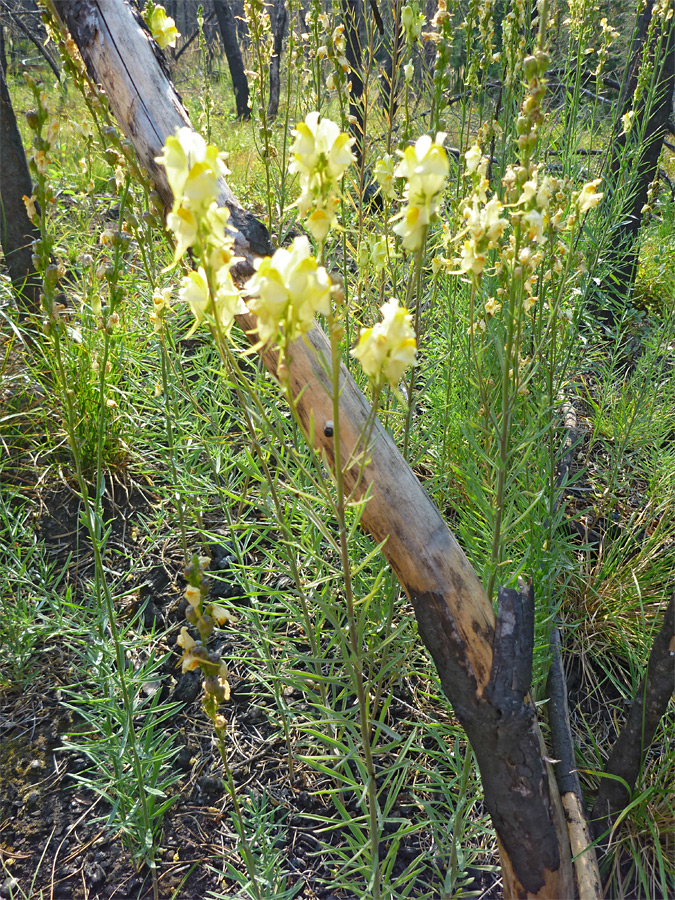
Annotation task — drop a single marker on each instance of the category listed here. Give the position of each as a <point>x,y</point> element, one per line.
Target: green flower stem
<point>356,664</point>
<point>510,361</point>
<point>246,851</point>
<point>416,283</point>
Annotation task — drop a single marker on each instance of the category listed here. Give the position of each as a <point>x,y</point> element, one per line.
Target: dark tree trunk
<point>228,32</point>
<point>3,55</point>
<point>649,706</point>
<point>17,232</point>
<point>352,16</point>
<point>634,157</point>
<point>390,77</point>
<point>279,26</point>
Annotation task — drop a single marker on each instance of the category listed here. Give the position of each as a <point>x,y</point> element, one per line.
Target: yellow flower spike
<point>426,167</point>
<point>287,291</point>
<point>387,349</point>
<point>320,145</point>
<point>320,154</point>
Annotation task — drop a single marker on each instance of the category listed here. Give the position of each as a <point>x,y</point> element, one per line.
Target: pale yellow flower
<point>412,22</point>
<point>320,147</point>
<point>472,157</point>
<point>425,166</point>
<point>387,349</point>
<point>183,223</point>
<point>627,121</point>
<point>221,615</point>
<point>193,595</point>
<point>163,28</point>
<point>492,307</point>
<point>413,221</point>
<point>384,175</point>
<point>52,131</point>
<point>40,160</point>
<point>29,203</point>
<point>589,197</point>
<point>184,639</point>
<point>320,221</point>
<point>161,299</point>
<point>194,291</point>
<point>287,291</point>
<point>193,168</point>
<point>191,655</point>
<point>473,260</point>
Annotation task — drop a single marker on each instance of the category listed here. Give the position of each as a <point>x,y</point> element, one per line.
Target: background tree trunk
<point>17,232</point>
<point>3,54</point>
<point>648,708</point>
<point>634,158</point>
<point>352,17</point>
<point>228,32</point>
<point>279,21</point>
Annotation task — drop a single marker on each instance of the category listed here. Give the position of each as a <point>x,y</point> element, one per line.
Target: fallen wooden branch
<point>484,663</point>
<point>589,884</point>
<point>649,706</point>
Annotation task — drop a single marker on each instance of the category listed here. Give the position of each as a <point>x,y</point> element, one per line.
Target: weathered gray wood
<point>115,46</point>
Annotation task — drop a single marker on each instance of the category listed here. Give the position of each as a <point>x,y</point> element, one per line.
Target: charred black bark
<point>279,26</point>
<point>649,707</point>
<point>17,232</point>
<point>634,157</point>
<point>502,729</point>
<point>559,722</point>
<point>390,77</point>
<point>228,33</point>
<point>352,17</point>
<point>3,55</point>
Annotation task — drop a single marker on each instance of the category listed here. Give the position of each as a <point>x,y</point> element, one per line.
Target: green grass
<point>244,476</point>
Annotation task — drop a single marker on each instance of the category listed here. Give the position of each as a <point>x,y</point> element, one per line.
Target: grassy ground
<point>235,481</point>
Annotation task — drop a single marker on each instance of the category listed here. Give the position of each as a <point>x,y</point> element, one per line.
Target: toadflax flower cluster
<point>387,349</point>
<point>320,154</point>
<point>193,169</point>
<point>287,291</point>
<point>425,168</point>
<point>163,27</point>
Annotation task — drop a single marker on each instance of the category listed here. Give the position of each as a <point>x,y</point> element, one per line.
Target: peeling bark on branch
<point>484,663</point>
